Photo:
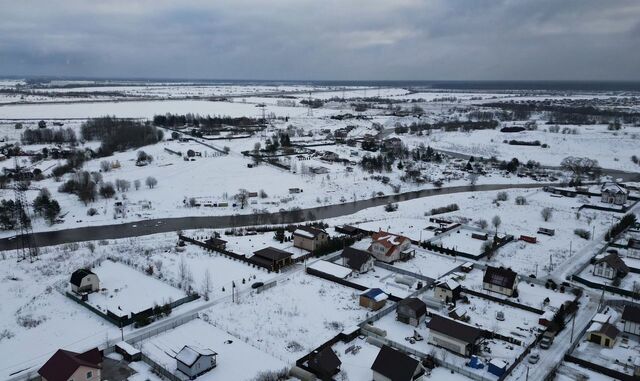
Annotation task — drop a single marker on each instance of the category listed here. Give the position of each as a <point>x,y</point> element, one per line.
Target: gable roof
<point>355,257</point>
<point>375,294</point>
<point>325,362</point>
<point>415,304</point>
<point>389,241</point>
<point>272,254</point>
<point>499,276</point>
<point>78,275</point>
<point>64,363</point>
<point>309,232</point>
<point>615,262</point>
<point>448,284</point>
<point>394,364</point>
<point>612,187</point>
<point>631,313</point>
<point>188,355</point>
<point>455,329</point>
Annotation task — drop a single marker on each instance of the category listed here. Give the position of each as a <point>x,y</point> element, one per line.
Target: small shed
<point>447,290</point>
<point>194,361</point>
<point>128,352</point>
<point>497,367</point>
<point>467,267</point>
<point>528,238</point>
<point>411,311</point>
<point>373,298</point>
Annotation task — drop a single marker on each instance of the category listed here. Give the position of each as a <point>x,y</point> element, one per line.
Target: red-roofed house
<point>388,247</point>
<point>67,365</point>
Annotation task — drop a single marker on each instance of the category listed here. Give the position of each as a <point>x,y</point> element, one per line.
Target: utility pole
<point>536,270</point>
<point>593,234</point>
<point>527,377</point>
<point>573,324</point>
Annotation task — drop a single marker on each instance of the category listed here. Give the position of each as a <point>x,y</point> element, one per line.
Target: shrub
<point>444,209</point>
<point>502,196</point>
<point>582,233</point>
<point>521,200</point>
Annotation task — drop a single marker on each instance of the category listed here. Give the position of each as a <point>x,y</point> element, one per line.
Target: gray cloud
<point>331,39</point>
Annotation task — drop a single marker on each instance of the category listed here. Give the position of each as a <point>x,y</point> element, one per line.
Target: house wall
<point>309,243</point>
<point>502,290</point>
<point>81,374</point>
<point>203,364</point>
<point>603,270</point>
<point>442,340</point>
<point>371,304</point>
<point>89,283</point>
<point>600,339</point>
<point>368,265</point>
<point>631,327</point>
<point>614,198</point>
<point>442,293</point>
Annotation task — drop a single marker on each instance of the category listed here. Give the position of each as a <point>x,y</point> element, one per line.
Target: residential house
<point>271,258</point>
<point>388,247</point>
<point>631,319</point>
<point>614,193</point>
<point>610,266</point>
<point>501,280</point>
<point>633,248</point>
<point>447,290</point>
<point>392,144</point>
<point>309,238</point>
<point>373,298</point>
<point>347,230</point>
<point>325,364</point>
<point>357,260</point>
<point>453,335</point>
<point>393,365</point>
<point>194,361</point>
<point>83,281</point>
<point>67,365</point>
<point>412,311</point>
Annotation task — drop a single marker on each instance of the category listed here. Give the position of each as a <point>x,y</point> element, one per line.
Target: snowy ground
<point>236,359</point>
<point>124,290</point>
<point>291,319</point>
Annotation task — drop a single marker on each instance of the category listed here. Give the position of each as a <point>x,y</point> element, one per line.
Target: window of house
<point>89,375</point>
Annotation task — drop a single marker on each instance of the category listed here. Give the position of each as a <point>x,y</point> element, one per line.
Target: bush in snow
<point>521,200</point>
<point>502,196</point>
<point>582,233</point>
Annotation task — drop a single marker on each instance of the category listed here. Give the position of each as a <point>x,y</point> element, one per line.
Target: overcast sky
<point>323,39</point>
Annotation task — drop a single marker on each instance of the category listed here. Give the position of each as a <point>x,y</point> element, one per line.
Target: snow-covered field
<point>236,359</point>
<point>124,290</point>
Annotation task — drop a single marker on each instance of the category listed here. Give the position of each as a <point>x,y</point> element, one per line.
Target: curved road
<point>164,225</point>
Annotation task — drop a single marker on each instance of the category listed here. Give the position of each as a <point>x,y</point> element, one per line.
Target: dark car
<point>257,284</point>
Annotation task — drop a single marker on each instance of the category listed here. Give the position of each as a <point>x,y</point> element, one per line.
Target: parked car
<point>257,284</point>
<point>546,341</point>
<point>534,358</point>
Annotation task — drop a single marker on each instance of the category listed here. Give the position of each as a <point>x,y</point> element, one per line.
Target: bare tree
<point>496,221</point>
<point>242,197</point>
<point>136,184</point>
<point>105,166</point>
<point>184,274</point>
<point>473,179</point>
<point>580,166</point>
<point>206,285</point>
<point>546,213</point>
<point>482,224</point>
<point>151,182</point>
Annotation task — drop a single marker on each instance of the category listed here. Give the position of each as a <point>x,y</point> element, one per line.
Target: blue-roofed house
<point>373,298</point>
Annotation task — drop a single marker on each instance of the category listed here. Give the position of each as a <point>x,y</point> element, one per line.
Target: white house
<point>388,247</point>
<point>610,266</point>
<point>447,290</point>
<point>194,361</point>
<point>614,193</point>
<point>83,280</point>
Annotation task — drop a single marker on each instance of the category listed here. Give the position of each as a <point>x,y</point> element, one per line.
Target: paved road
<point>164,225</point>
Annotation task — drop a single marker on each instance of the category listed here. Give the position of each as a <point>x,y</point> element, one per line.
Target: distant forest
<point>176,120</point>
<point>119,134</point>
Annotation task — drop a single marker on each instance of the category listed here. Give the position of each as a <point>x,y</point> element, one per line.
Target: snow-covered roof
<point>188,355</point>
<point>448,283</point>
<point>331,268</point>
<point>128,348</point>
<point>601,318</point>
<point>375,294</point>
<point>614,188</point>
<point>498,363</point>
